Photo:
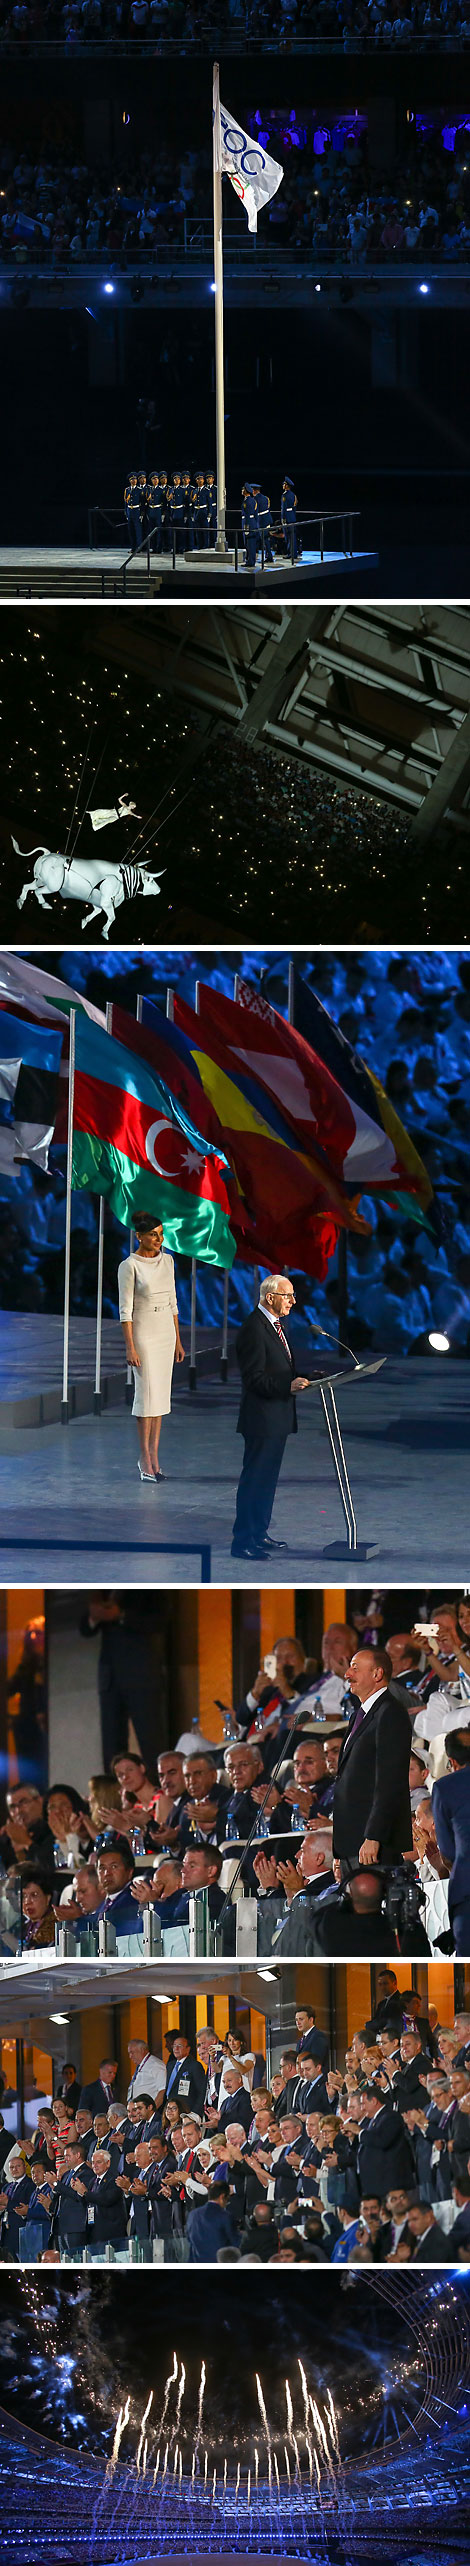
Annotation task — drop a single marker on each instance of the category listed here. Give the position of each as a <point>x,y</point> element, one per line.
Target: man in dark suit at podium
<point>267,1415</point>
<point>372,1807</point>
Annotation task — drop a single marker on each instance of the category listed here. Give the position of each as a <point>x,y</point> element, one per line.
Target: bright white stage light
<point>108,289</point>
<point>423,289</point>
<point>318,289</point>
<point>440,1344</point>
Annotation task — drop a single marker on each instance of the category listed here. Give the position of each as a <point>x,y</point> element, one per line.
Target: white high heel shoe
<point>145,1474</point>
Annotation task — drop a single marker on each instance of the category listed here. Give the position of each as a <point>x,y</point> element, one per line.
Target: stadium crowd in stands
<point>342,25</point>
<point>339,1802</point>
<point>336,204</point>
<point>367,2162</point>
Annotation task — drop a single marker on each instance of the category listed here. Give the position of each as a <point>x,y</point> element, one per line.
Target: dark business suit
<point>384,2156</point>
<point>434,2246</point>
<point>97,2097</point>
<point>70,2209</point>
<point>186,2085</point>
<point>451,1813</point>
<point>372,1795</point>
<point>107,2214</point>
<point>267,1415</point>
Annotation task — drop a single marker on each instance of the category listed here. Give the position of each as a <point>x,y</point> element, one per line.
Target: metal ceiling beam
<point>286,652</point>
<point>454,776</point>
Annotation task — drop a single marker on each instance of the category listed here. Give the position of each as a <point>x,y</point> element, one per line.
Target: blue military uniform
<point>289,515</point>
<point>188,498</point>
<point>202,512</point>
<point>156,510</point>
<point>134,510</point>
<point>265,524</point>
<point>250,523</point>
<point>177,510</point>
<point>212,506</point>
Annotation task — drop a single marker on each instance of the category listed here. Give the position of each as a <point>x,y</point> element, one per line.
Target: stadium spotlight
<point>423,289</point>
<point>108,288</point>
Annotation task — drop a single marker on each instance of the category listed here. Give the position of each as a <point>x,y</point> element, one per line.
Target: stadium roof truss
<point>377,696</point>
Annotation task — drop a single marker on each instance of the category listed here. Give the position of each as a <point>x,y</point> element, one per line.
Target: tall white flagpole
<point>68,1221</point>
<point>99,1285</point>
<point>221,545</point>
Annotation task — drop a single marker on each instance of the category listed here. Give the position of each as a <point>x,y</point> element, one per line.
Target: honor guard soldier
<point>265,524</point>
<point>201,513</point>
<point>211,488</point>
<point>188,498</point>
<point>289,517</point>
<point>154,511</point>
<point>250,523</point>
<point>176,510</point>
<point>163,491</point>
<point>134,509</point>
<point>142,482</point>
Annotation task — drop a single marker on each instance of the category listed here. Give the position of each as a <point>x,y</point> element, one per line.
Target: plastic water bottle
<point>298,1823</point>
<point>138,1843</point>
<point>261,1828</point>
<point>232,1830</point>
<point>59,1857</point>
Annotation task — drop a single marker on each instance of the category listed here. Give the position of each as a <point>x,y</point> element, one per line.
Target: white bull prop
<point>86,877</point>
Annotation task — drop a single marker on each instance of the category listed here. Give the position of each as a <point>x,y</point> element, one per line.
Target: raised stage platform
<point>77,571</point>
<point>72,1506</point>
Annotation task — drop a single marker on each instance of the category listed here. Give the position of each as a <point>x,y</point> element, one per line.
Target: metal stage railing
<point>177,548</point>
<point>191,250</point>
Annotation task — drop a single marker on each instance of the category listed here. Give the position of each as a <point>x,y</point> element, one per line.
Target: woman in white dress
<point>148,1309</point>
<point>124,810</point>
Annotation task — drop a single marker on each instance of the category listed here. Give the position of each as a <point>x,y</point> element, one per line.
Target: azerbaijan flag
<point>134,1143</point>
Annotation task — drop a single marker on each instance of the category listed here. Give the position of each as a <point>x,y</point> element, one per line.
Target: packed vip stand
<point>225,2153</point>
<point>333,1820</point>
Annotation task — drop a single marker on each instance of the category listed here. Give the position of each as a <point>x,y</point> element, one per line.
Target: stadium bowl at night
<point>379,2469</point>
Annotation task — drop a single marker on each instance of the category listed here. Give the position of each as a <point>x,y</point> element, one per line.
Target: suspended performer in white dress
<point>148,1309</point>
<point>124,810</point>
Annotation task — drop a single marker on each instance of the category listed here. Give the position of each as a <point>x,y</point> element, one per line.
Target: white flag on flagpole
<point>254,176</point>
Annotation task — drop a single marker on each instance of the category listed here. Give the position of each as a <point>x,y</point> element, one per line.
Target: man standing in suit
<point>384,2159</point>
<point>267,1415</point>
<point>451,1813</point>
<point>186,2082</point>
<point>70,2205</point>
<point>106,2212</point>
<point>372,1807</point>
<point>98,2096</point>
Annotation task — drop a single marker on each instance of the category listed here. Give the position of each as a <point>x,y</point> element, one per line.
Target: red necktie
<point>280,1332</point>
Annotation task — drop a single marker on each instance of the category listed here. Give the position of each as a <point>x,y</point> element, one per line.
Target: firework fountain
<point>188,2494</point>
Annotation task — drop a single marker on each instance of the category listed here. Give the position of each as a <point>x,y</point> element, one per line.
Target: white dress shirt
<point>149,2078</point>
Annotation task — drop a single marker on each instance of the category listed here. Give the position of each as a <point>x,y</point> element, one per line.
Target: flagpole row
<point>99,1283</point>
<point>68,1221</point>
<point>99,1312</point>
<point>218,316</point>
<point>130,1375</point>
<point>224,1352</point>
<point>192,1341</point>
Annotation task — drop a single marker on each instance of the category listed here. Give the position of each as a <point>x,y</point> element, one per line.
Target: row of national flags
<point>248,1135</point>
